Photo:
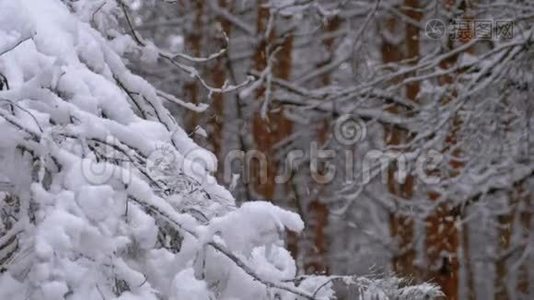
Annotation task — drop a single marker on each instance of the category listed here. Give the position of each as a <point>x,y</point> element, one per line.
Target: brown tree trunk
<point>269,131</point>
<point>402,227</point>
<point>219,76</point>
<point>316,261</point>
<point>469,275</point>
<point>525,218</point>
<point>442,235</point>
<point>520,213</point>
<point>193,45</point>
<point>505,225</point>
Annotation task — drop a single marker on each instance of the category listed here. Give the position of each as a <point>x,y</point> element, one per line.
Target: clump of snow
<point>186,286</point>
<point>150,53</point>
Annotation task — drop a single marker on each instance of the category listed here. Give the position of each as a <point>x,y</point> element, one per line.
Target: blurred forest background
<point>422,108</point>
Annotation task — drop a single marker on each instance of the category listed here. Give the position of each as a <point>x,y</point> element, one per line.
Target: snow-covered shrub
<point>88,209</point>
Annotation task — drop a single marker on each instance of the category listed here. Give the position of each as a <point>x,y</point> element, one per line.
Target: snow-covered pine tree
<point>104,196</point>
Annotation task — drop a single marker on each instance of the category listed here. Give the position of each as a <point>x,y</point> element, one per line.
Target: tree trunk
<point>442,241</point>
<point>193,45</point>
<point>269,131</point>
<point>402,227</point>
<point>316,261</point>
<point>219,75</point>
